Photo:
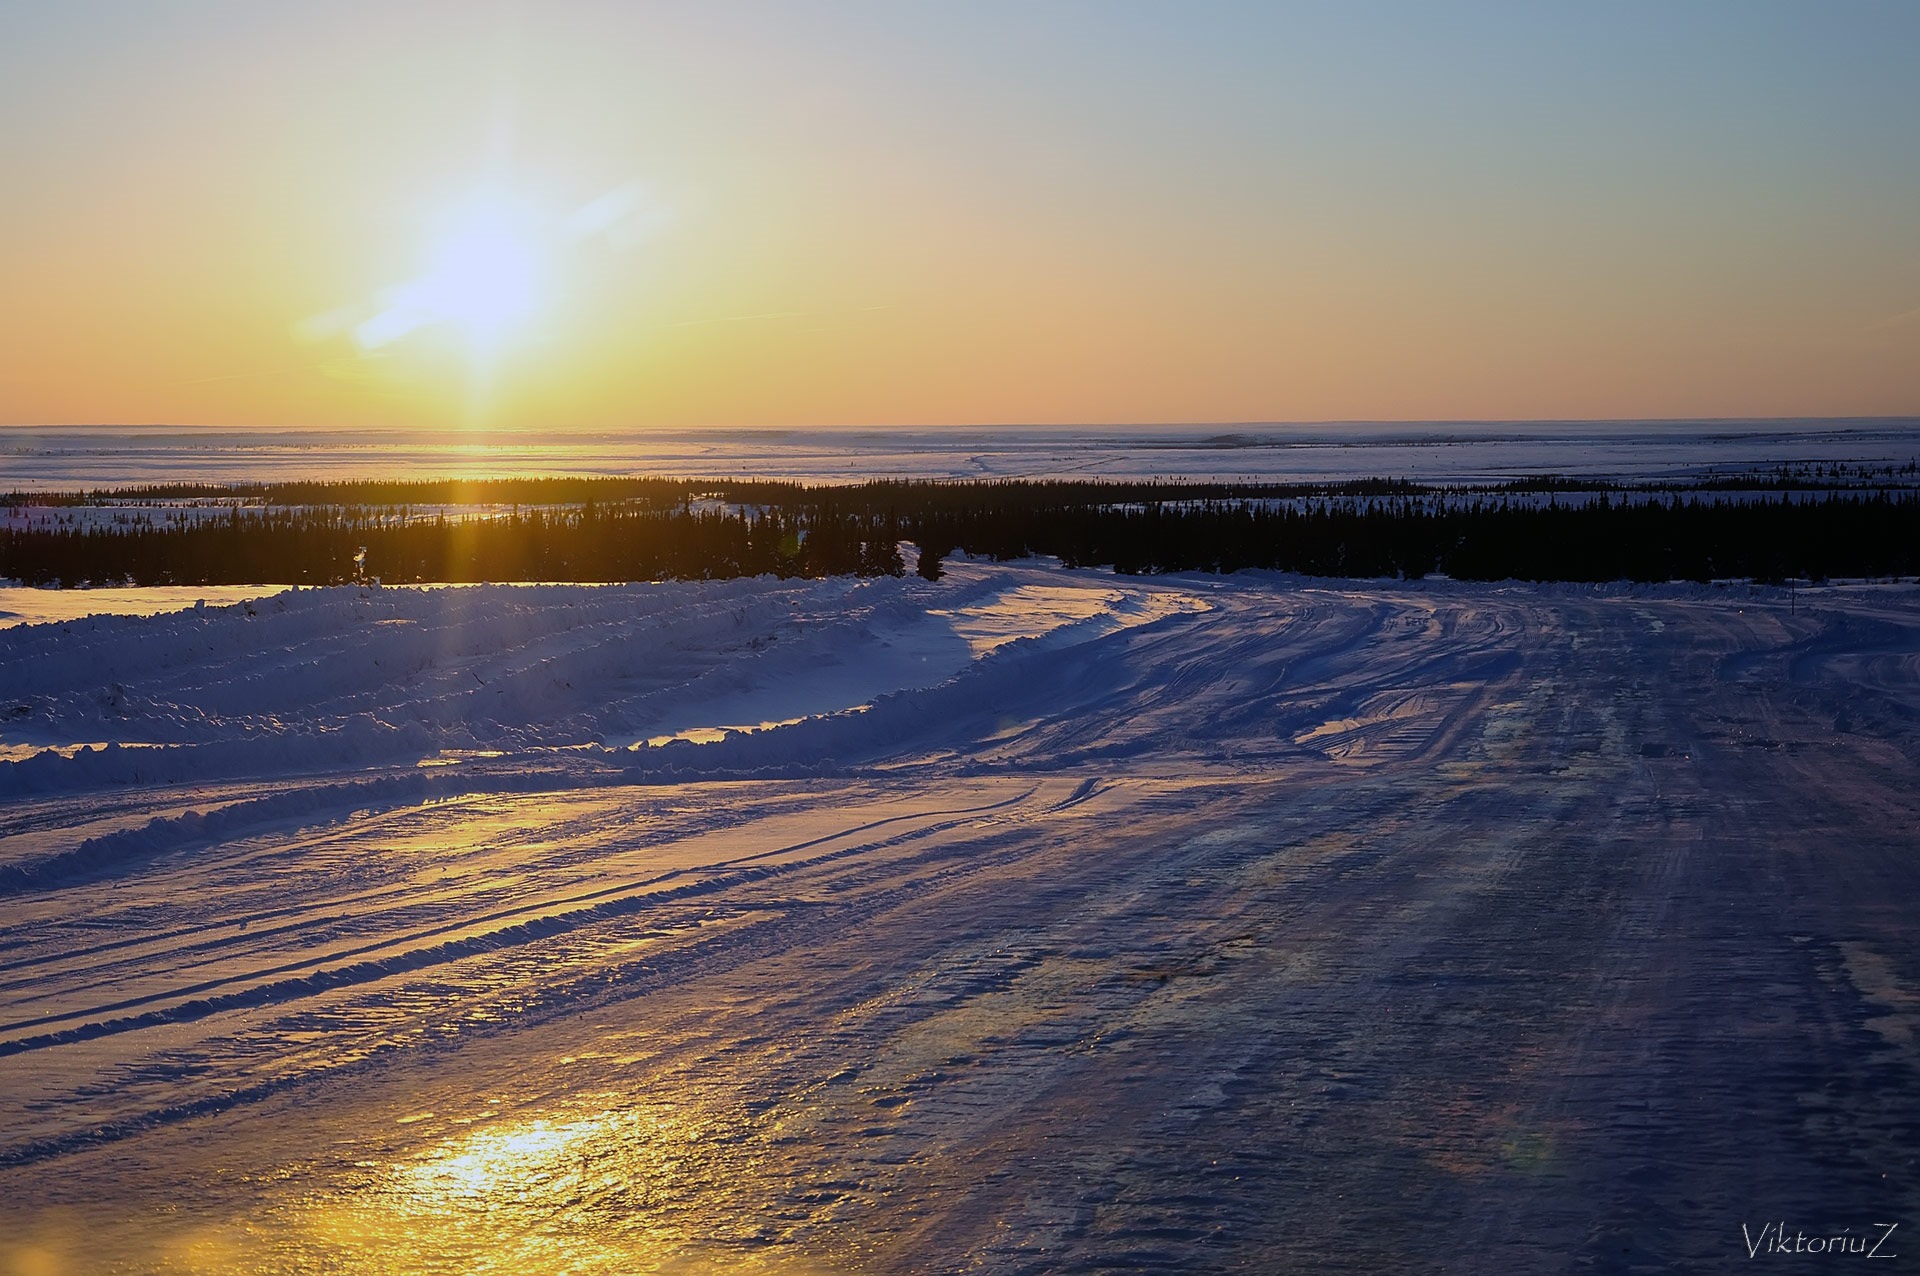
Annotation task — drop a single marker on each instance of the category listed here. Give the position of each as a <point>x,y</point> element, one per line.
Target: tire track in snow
<point>860,886</point>
<point>540,920</point>
<point>1493,986</point>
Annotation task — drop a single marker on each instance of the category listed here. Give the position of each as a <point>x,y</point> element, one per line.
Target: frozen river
<point>1047,922</point>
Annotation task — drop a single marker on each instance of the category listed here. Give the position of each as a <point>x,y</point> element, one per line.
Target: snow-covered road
<point>1042,921</point>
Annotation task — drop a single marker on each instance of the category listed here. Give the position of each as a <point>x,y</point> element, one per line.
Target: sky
<point>572,215</point>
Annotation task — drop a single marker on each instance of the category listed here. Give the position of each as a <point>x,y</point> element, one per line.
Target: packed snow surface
<point>1023,921</point>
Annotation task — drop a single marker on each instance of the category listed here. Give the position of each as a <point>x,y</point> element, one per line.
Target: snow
<point>1436,452</point>
<point>25,606</point>
<point>1027,920</point>
<point>367,676</point>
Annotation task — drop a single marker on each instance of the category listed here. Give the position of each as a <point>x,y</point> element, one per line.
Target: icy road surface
<point>1047,922</point>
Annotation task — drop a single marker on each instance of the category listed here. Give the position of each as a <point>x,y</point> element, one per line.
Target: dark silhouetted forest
<point>654,529</point>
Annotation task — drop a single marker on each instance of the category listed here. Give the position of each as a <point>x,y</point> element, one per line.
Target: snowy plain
<point>1023,921</point>
<point>1463,452</point>
<point>1042,921</point>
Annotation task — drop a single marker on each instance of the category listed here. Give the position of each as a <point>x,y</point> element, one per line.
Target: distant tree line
<point>709,530</point>
<point>655,493</point>
<point>322,546</point>
<point>667,493</point>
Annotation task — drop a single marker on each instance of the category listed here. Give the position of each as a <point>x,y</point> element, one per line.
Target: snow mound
<point>345,678</point>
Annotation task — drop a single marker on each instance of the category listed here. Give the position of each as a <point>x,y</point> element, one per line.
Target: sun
<point>484,274</point>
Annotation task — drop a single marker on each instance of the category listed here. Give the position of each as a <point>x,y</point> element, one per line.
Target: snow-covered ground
<point>1022,921</point>
<point>24,606</point>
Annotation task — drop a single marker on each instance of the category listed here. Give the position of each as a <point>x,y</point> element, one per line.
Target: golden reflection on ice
<point>596,1192</point>
<point>539,1194</point>
<point>606,1191</point>
<point>495,1166</point>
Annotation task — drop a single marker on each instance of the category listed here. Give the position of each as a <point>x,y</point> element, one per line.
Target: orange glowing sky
<point>578,215</point>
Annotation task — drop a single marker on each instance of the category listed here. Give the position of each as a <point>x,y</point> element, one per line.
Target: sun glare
<point>488,271</point>
<point>483,276</point>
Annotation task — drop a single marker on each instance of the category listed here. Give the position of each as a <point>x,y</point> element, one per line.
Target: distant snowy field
<point>1434,452</point>
<point>23,606</point>
<point>1023,921</point>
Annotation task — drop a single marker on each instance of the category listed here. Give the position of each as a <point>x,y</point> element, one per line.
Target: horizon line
<point>1885,419</point>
